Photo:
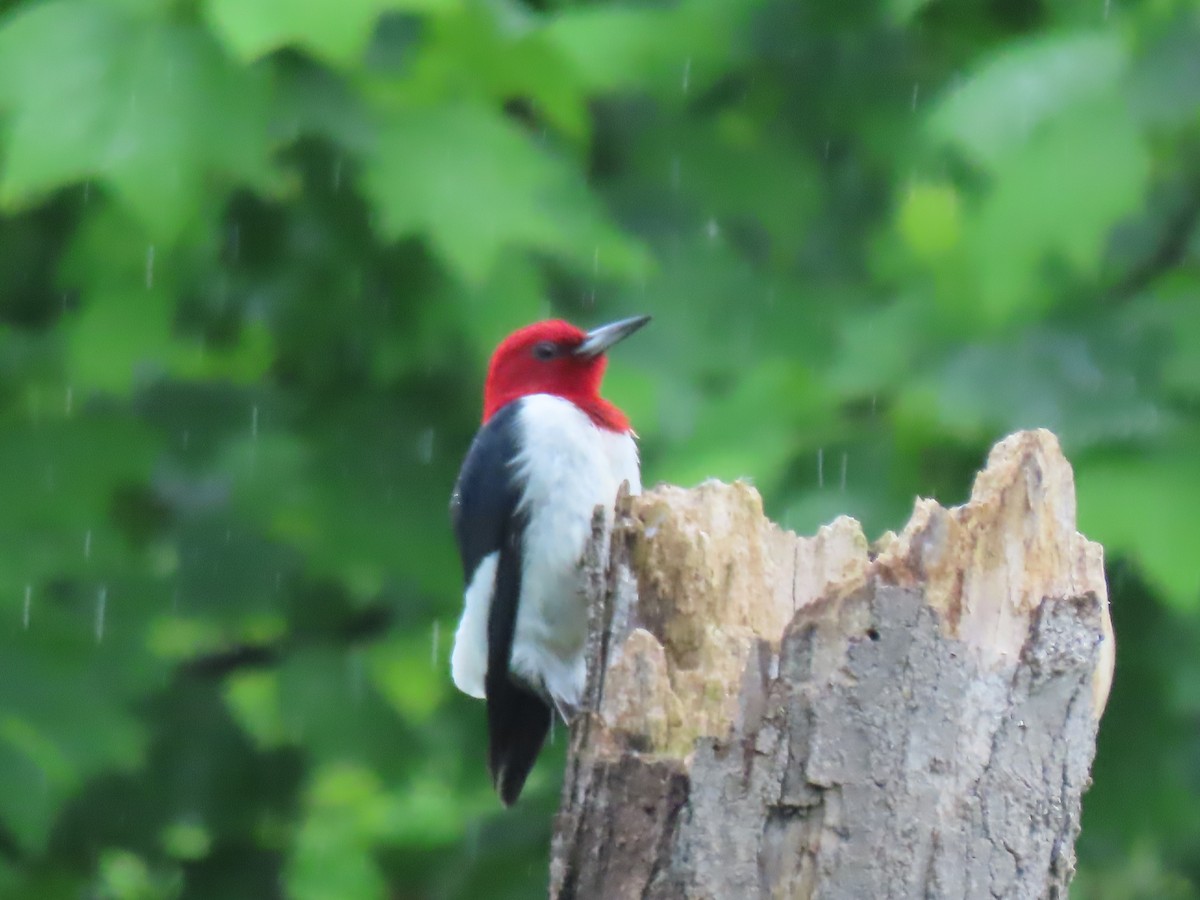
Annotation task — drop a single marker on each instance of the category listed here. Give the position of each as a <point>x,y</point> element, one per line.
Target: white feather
<point>468,661</point>
<point>569,467</point>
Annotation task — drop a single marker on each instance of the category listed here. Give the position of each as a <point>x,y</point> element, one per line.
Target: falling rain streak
<point>150,266</point>
<point>101,607</point>
<point>25,607</point>
<point>87,544</point>
<point>436,629</point>
<point>842,478</point>
<point>821,467</point>
<point>425,446</point>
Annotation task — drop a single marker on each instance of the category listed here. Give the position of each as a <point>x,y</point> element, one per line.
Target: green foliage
<point>254,255</point>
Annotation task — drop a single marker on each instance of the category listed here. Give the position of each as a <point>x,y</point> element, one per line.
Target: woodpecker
<point>549,451</point>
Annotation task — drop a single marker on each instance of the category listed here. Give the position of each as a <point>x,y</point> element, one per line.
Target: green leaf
<point>930,220</point>
<point>1085,387</point>
<point>407,673</point>
<point>125,876</point>
<point>347,805</point>
<point>1024,85</point>
<point>1145,507</point>
<point>488,54</point>
<point>1181,368</point>
<point>880,346</point>
<point>1056,198</point>
<point>155,111</point>
<point>671,49</point>
<point>477,186</point>
<point>334,30</point>
<point>752,431</point>
<point>58,479</point>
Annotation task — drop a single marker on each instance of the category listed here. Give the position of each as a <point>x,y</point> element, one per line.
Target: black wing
<point>518,718</point>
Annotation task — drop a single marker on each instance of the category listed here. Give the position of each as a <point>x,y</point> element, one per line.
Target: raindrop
<point>254,422</point>
<point>70,402</point>
<point>828,143</point>
<point>1107,9</point>
<point>425,446</point>
<point>25,607</point>
<point>87,544</point>
<point>434,655</point>
<point>150,267</point>
<point>712,229</point>
<point>87,191</point>
<point>842,478</point>
<point>101,605</point>
<point>186,439</point>
<point>916,92</point>
<point>687,74</point>
<point>821,467</point>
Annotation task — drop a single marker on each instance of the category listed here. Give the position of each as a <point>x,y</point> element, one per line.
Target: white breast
<point>569,467</point>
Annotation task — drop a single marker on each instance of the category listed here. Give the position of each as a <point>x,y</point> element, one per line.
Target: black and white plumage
<point>522,512</point>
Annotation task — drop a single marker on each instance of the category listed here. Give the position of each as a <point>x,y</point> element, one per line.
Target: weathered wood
<point>781,716</point>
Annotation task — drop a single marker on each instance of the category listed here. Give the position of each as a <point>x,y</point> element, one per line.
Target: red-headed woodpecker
<point>550,450</point>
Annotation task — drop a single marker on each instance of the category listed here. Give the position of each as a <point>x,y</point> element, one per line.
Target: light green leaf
<point>151,109</point>
<point>930,219</point>
<point>1056,198</point>
<point>674,49</point>
<point>334,30</point>
<point>1024,85</point>
<point>476,186</point>
<point>1145,507</point>
<point>346,804</point>
<point>408,674</point>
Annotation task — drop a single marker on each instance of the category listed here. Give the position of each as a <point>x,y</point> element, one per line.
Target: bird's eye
<point>544,350</point>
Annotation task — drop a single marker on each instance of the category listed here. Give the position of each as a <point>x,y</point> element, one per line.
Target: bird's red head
<point>555,357</point>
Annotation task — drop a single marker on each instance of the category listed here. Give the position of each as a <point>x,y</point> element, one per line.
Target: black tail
<point>518,720</point>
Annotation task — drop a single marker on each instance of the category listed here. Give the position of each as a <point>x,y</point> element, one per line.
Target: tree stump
<point>779,716</point>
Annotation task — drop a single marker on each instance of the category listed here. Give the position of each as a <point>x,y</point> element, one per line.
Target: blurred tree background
<point>254,255</point>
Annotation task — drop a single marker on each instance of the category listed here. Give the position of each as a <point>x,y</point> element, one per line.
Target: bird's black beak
<point>600,339</point>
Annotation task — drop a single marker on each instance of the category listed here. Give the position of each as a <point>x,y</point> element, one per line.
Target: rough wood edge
<point>725,654</point>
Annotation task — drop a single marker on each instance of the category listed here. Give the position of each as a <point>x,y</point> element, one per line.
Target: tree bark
<point>779,716</point>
